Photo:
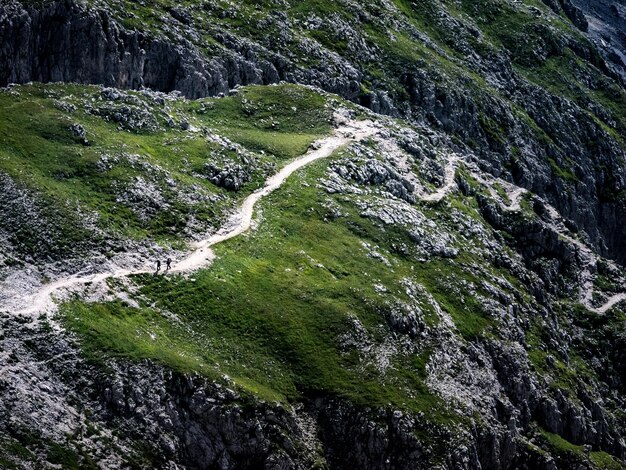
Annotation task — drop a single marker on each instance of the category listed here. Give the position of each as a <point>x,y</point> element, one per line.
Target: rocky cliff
<point>66,42</point>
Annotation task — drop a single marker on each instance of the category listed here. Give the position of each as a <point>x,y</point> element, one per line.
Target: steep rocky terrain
<point>606,24</point>
<point>436,279</point>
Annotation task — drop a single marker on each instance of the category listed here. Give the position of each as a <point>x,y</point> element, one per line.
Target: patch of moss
<point>605,461</point>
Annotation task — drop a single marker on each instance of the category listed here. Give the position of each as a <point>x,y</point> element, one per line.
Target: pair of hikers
<point>168,264</point>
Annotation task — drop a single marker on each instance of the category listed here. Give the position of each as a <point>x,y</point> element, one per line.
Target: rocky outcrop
<point>230,177</point>
<point>162,418</point>
<point>46,43</point>
<point>376,173</point>
<point>31,229</point>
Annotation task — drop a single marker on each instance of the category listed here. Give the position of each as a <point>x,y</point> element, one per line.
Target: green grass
<point>13,453</point>
<point>558,75</point>
<point>66,458</point>
<point>272,309</point>
<point>563,447</point>
<point>605,461</point>
<point>560,445</point>
<point>26,448</point>
<point>268,315</point>
<point>563,172</point>
<point>606,284</point>
<point>265,313</point>
<point>281,120</point>
<point>38,150</point>
<point>502,192</point>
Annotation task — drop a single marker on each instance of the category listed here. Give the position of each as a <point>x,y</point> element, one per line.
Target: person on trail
<point>168,264</point>
<point>158,263</point>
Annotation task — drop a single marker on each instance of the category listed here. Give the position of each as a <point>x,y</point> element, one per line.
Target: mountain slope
<point>516,80</point>
<point>443,291</point>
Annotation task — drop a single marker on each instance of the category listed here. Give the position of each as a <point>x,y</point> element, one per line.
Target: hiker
<point>168,264</point>
<point>158,262</point>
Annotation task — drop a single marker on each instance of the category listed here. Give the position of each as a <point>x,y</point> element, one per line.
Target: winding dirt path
<point>515,195</point>
<point>448,181</point>
<point>241,221</point>
<point>612,301</point>
<point>590,260</point>
<point>202,255</point>
<point>512,203</point>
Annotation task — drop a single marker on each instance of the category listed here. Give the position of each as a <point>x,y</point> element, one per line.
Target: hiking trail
<point>202,255</point>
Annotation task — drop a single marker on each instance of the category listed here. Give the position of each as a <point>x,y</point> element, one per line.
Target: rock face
<point>170,420</point>
<point>164,419</point>
<point>229,178</point>
<point>65,42</point>
<point>47,44</point>
<point>606,21</point>
<point>573,13</point>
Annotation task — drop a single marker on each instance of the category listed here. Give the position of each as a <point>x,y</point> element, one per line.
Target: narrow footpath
<point>202,255</point>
